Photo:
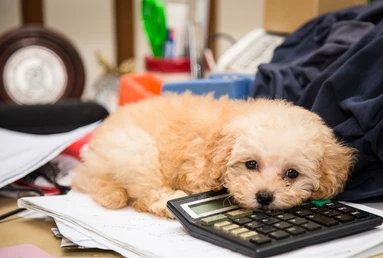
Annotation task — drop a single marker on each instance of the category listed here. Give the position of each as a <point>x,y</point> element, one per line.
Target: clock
<point>39,66</point>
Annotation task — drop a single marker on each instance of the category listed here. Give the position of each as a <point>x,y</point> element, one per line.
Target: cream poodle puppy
<point>267,153</point>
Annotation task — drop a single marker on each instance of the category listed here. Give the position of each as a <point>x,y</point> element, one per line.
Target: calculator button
<point>344,218</point>
<point>303,213</point>
<point>298,221</point>
<point>219,225</point>
<point>331,213</point>
<point>279,234</point>
<point>229,228</point>
<point>345,209</point>
<point>270,221</point>
<point>294,209</point>
<point>254,225</point>
<point>306,204</point>
<point>359,214</point>
<point>273,212</point>
<point>285,216</point>
<point>260,240</point>
<point>266,229</point>
<point>238,231</point>
<point>213,219</point>
<point>318,209</point>
<point>333,205</point>
<point>295,230</point>
<point>311,226</point>
<point>258,216</point>
<point>282,225</point>
<point>242,221</point>
<point>323,220</point>
<point>248,235</point>
<point>239,213</point>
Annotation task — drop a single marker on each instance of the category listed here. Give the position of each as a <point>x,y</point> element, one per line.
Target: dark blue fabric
<point>333,66</point>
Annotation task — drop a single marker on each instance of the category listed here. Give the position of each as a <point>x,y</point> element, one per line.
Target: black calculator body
<point>212,217</point>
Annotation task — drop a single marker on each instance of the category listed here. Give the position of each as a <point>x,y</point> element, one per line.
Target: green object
<point>154,21</point>
<point>320,202</point>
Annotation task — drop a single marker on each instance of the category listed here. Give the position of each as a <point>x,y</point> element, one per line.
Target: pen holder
<point>138,86</point>
<point>169,69</point>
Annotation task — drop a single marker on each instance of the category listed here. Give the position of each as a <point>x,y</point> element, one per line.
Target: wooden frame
<point>213,25</point>
<point>32,12</point>
<point>123,11</point>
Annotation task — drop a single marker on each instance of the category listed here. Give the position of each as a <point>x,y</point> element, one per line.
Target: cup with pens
<point>164,62</point>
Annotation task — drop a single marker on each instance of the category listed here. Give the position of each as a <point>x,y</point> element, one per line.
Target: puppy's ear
<point>335,166</point>
<point>219,150</point>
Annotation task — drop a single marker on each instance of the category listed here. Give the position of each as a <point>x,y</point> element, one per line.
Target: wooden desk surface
<point>15,230</point>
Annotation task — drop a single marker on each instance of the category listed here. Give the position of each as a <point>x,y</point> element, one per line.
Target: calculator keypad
<point>263,227</point>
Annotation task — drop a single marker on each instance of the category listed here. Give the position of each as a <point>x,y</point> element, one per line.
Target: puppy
<point>268,154</point>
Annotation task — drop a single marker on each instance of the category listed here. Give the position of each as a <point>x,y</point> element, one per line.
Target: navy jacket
<point>333,65</point>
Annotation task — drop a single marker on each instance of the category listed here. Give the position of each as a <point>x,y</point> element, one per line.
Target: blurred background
<point>91,25</point>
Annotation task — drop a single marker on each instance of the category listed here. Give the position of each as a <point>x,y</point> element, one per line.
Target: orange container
<point>138,86</point>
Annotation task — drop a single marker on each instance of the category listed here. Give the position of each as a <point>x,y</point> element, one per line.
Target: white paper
<point>90,239</point>
<point>21,153</point>
<point>141,233</point>
<point>127,231</point>
<point>76,236</point>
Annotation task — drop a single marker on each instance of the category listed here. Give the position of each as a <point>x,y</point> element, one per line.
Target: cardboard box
<point>285,16</point>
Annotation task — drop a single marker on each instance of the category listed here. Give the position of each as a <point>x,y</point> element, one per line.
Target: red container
<point>169,69</point>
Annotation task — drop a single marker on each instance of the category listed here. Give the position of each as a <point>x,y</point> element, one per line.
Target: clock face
<point>35,75</point>
<point>39,66</point>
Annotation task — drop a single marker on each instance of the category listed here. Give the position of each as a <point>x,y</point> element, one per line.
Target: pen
<point>8,214</point>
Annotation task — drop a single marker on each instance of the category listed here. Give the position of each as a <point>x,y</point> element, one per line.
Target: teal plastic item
<point>154,21</point>
<point>320,202</point>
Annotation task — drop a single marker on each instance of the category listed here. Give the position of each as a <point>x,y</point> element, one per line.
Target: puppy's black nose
<point>264,198</point>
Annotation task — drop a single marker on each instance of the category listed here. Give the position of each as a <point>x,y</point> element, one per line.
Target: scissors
<point>154,20</point>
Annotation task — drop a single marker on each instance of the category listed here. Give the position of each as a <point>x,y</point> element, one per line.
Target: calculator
<point>216,218</point>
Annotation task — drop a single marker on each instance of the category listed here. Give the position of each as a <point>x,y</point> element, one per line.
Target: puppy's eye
<point>292,173</point>
<point>252,164</point>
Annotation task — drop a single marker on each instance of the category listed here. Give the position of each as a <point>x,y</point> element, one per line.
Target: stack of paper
<point>134,234</point>
<point>21,153</point>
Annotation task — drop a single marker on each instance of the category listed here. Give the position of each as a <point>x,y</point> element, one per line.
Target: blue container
<point>234,85</point>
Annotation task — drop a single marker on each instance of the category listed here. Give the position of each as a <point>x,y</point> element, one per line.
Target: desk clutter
<point>134,234</point>
<point>137,87</point>
<point>88,225</point>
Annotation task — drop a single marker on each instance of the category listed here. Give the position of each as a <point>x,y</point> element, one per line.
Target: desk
<point>15,230</point>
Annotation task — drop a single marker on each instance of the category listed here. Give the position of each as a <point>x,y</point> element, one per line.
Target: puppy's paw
<point>159,208</point>
<point>115,198</point>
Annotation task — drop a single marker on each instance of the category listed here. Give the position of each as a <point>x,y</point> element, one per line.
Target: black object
<point>51,118</point>
<point>332,66</point>
<point>210,217</point>
<point>22,192</point>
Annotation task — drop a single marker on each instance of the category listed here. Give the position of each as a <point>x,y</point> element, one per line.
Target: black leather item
<point>51,118</point>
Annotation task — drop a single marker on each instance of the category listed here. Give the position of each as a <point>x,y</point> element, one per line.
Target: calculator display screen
<point>209,206</point>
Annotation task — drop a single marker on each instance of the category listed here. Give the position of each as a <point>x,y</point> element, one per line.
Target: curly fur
<point>170,146</point>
